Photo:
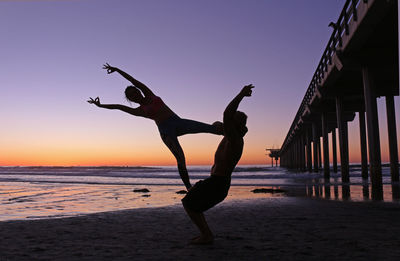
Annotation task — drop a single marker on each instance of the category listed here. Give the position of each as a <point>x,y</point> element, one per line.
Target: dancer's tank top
<point>153,107</point>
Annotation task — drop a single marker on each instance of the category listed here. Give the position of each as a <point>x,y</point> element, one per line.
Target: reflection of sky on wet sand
<point>21,200</point>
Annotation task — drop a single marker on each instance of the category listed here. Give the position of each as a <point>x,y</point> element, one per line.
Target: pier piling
<point>319,153</point>
<point>373,129</point>
<point>324,120</point>
<point>391,123</point>
<point>363,146</point>
<point>308,144</point>
<point>315,146</point>
<point>343,140</point>
<point>334,153</point>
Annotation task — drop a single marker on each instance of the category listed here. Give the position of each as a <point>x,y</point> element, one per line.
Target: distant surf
<point>168,175</point>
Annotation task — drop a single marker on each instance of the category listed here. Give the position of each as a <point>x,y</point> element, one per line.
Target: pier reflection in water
<point>353,192</point>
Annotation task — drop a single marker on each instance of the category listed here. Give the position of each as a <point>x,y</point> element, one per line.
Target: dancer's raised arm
<point>146,90</point>
<point>231,109</point>
<point>133,111</point>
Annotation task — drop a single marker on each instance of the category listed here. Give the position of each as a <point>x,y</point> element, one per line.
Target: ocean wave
<point>162,175</point>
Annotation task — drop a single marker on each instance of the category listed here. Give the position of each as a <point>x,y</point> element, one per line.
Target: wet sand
<point>276,228</point>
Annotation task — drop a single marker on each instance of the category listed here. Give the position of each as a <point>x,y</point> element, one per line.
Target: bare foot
<point>202,240</point>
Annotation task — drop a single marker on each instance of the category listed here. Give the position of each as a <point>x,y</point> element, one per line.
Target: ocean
<point>54,192</point>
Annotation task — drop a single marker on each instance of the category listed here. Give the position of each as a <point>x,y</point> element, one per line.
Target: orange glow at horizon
<point>59,159</point>
<point>111,157</point>
<point>197,152</point>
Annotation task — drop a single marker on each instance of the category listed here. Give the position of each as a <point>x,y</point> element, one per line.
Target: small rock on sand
<point>264,190</point>
<point>145,190</point>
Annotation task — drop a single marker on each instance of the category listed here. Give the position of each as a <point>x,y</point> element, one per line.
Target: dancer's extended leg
<point>176,149</point>
<point>190,127</point>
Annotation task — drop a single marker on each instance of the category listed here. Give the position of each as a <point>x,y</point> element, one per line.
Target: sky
<point>195,55</point>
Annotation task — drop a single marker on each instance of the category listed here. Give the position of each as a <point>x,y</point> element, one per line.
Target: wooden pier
<point>360,63</point>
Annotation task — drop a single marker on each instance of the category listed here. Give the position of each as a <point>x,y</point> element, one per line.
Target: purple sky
<point>196,55</point>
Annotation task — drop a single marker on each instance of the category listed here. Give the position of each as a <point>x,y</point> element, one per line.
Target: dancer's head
<point>133,94</point>
<point>240,122</point>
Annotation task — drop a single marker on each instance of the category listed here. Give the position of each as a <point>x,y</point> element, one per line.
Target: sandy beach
<point>276,228</point>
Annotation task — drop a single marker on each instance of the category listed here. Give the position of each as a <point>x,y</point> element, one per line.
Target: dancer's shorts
<point>207,193</point>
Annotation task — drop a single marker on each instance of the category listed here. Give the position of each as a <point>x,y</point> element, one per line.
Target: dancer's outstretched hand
<point>246,91</point>
<point>109,68</point>
<point>94,101</point>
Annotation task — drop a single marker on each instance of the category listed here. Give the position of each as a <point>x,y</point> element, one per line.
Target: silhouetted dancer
<point>169,124</point>
<point>207,193</point>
